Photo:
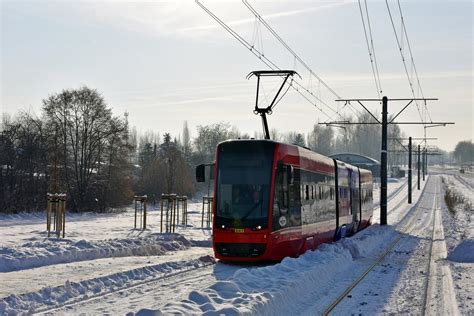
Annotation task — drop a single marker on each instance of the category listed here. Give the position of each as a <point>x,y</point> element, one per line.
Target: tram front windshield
<point>243,188</point>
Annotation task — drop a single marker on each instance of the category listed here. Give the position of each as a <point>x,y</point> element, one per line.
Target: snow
<point>55,251</point>
<point>459,232</point>
<point>104,266</point>
<point>285,287</point>
<point>51,296</point>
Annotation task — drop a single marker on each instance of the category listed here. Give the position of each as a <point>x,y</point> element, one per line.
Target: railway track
<point>204,274</point>
<point>183,275</point>
<point>464,181</point>
<point>100,296</point>
<point>406,225</point>
<point>393,194</point>
<point>396,193</point>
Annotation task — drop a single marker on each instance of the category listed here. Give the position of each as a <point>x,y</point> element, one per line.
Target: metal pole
<point>265,125</point>
<point>161,214</point>
<point>135,223</point>
<point>409,170</point>
<point>426,162</point>
<point>383,164</point>
<point>202,214</point>
<point>144,214</point>
<point>423,165</point>
<point>64,217</point>
<point>418,167</point>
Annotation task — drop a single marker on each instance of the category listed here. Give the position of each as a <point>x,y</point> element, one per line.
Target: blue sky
<point>165,62</point>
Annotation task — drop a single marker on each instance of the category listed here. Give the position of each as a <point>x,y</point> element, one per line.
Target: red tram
<point>273,200</point>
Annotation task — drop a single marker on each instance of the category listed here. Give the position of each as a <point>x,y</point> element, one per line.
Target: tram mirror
<point>289,174</point>
<point>200,173</point>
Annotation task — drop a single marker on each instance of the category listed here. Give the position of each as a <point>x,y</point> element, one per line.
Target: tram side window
<point>281,191</point>
<point>280,199</point>
<point>284,189</point>
<point>295,200</point>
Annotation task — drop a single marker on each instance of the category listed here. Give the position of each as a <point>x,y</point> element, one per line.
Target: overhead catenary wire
<point>411,57</point>
<point>300,60</point>
<point>275,34</point>
<point>403,60</point>
<point>371,48</point>
<point>270,64</point>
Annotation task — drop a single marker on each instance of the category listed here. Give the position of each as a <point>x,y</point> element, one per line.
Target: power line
<point>275,34</point>
<point>270,64</point>
<point>403,60</point>
<point>371,48</point>
<point>296,57</point>
<point>411,56</point>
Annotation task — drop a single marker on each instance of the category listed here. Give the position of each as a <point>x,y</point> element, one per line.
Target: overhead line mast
<point>384,150</point>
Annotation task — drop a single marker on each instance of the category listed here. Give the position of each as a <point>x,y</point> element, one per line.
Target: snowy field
<point>420,263</point>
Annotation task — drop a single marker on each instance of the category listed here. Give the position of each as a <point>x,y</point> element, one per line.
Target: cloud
<point>280,14</point>
<point>178,18</point>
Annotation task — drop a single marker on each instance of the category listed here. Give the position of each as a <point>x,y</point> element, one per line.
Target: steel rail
<point>127,287</point>
<point>427,285</point>
<point>407,227</point>
<point>464,181</point>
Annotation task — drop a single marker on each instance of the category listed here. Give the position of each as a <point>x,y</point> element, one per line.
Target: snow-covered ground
<point>459,233</point>
<point>103,266</point>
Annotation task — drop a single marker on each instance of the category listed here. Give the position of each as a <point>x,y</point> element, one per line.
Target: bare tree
<point>208,138</point>
<point>90,138</point>
<point>23,163</point>
<point>295,138</point>
<point>321,139</point>
<point>464,152</point>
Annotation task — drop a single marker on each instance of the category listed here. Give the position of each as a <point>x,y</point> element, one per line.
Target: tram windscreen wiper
<point>254,207</point>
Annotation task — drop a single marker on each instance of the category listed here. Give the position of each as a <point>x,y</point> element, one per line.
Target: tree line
<point>77,146</point>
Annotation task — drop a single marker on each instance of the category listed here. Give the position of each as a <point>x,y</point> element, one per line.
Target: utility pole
<point>384,151</point>
<point>409,170</point>
<point>426,161</point>
<point>383,164</point>
<point>423,164</point>
<point>409,149</point>
<point>418,167</point>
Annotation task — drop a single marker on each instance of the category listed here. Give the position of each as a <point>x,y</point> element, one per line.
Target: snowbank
<point>284,287</point>
<point>72,291</point>
<point>464,252</point>
<point>54,251</point>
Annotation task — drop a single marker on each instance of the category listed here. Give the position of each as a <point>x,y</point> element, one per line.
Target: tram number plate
<point>239,230</point>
